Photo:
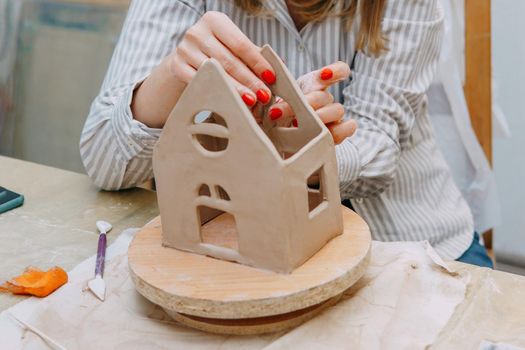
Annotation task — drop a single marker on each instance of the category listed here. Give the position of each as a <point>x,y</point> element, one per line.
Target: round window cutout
<point>210,131</point>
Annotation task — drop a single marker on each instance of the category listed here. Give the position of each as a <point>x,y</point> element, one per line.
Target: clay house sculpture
<point>272,191</point>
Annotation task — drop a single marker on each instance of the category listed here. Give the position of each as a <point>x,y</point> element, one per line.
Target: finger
<point>246,94</point>
<point>232,37</point>
<point>191,54</point>
<point>341,130</point>
<point>236,68</point>
<point>280,110</point>
<point>195,58</point>
<point>319,99</point>
<point>316,99</point>
<point>331,113</point>
<point>323,78</point>
<point>181,69</point>
<point>258,112</point>
<point>333,73</point>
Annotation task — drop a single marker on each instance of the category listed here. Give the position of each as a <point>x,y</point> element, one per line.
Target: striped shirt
<point>391,168</point>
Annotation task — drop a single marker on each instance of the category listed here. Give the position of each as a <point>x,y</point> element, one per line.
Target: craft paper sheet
<point>403,301</point>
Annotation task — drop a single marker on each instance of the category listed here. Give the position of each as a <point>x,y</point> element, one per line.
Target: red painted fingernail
<point>263,96</point>
<point>268,77</point>
<point>275,113</point>
<point>294,123</point>
<point>248,99</point>
<point>327,74</point>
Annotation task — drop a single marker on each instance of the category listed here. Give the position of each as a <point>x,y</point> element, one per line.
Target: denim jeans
<point>476,254</point>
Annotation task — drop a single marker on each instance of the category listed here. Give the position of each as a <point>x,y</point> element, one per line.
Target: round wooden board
<point>197,285</point>
<point>258,325</point>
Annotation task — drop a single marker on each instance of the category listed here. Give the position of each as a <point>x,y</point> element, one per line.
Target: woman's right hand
<point>213,36</point>
<point>216,36</point>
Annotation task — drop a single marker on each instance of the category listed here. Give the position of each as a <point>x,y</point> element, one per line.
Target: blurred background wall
<point>63,50</point>
<point>508,38</point>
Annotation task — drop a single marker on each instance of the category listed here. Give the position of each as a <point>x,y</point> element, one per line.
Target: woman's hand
<point>213,36</point>
<point>314,85</point>
<point>216,36</point>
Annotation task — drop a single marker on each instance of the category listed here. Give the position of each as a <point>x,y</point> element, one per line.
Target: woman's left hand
<point>314,85</point>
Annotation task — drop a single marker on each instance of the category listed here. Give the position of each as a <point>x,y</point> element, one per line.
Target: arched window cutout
<point>204,190</point>
<point>220,232</point>
<point>221,193</point>
<point>210,131</point>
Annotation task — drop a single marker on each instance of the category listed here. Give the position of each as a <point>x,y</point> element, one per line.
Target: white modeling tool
<point>97,285</point>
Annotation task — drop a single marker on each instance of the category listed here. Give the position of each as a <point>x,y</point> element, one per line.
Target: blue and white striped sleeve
<point>115,148</point>
<point>386,94</point>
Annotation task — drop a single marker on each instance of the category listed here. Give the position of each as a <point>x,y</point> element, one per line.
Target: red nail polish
<point>248,99</point>
<point>263,96</point>
<point>268,77</point>
<point>294,123</point>
<point>327,74</point>
<point>275,113</point>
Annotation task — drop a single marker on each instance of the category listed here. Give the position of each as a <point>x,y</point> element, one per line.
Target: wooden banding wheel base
<point>225,297</point>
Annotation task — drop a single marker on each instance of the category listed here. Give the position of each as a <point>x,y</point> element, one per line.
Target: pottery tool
<point>97,285</point>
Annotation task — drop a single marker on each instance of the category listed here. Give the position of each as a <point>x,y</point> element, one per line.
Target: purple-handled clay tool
<point>97,284</point>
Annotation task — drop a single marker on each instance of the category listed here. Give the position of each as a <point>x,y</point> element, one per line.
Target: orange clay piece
<point>36,282</point>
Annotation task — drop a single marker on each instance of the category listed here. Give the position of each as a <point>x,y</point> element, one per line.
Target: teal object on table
<point>9,200</point>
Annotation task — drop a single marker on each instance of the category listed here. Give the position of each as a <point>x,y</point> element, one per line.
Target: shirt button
<point>300,47</point>
<point>359,200</point>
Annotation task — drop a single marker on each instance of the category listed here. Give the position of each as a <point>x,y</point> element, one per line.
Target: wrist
<point>156,96</point>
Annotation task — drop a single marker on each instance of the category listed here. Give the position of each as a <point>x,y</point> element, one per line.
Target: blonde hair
<point>370,36</point>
